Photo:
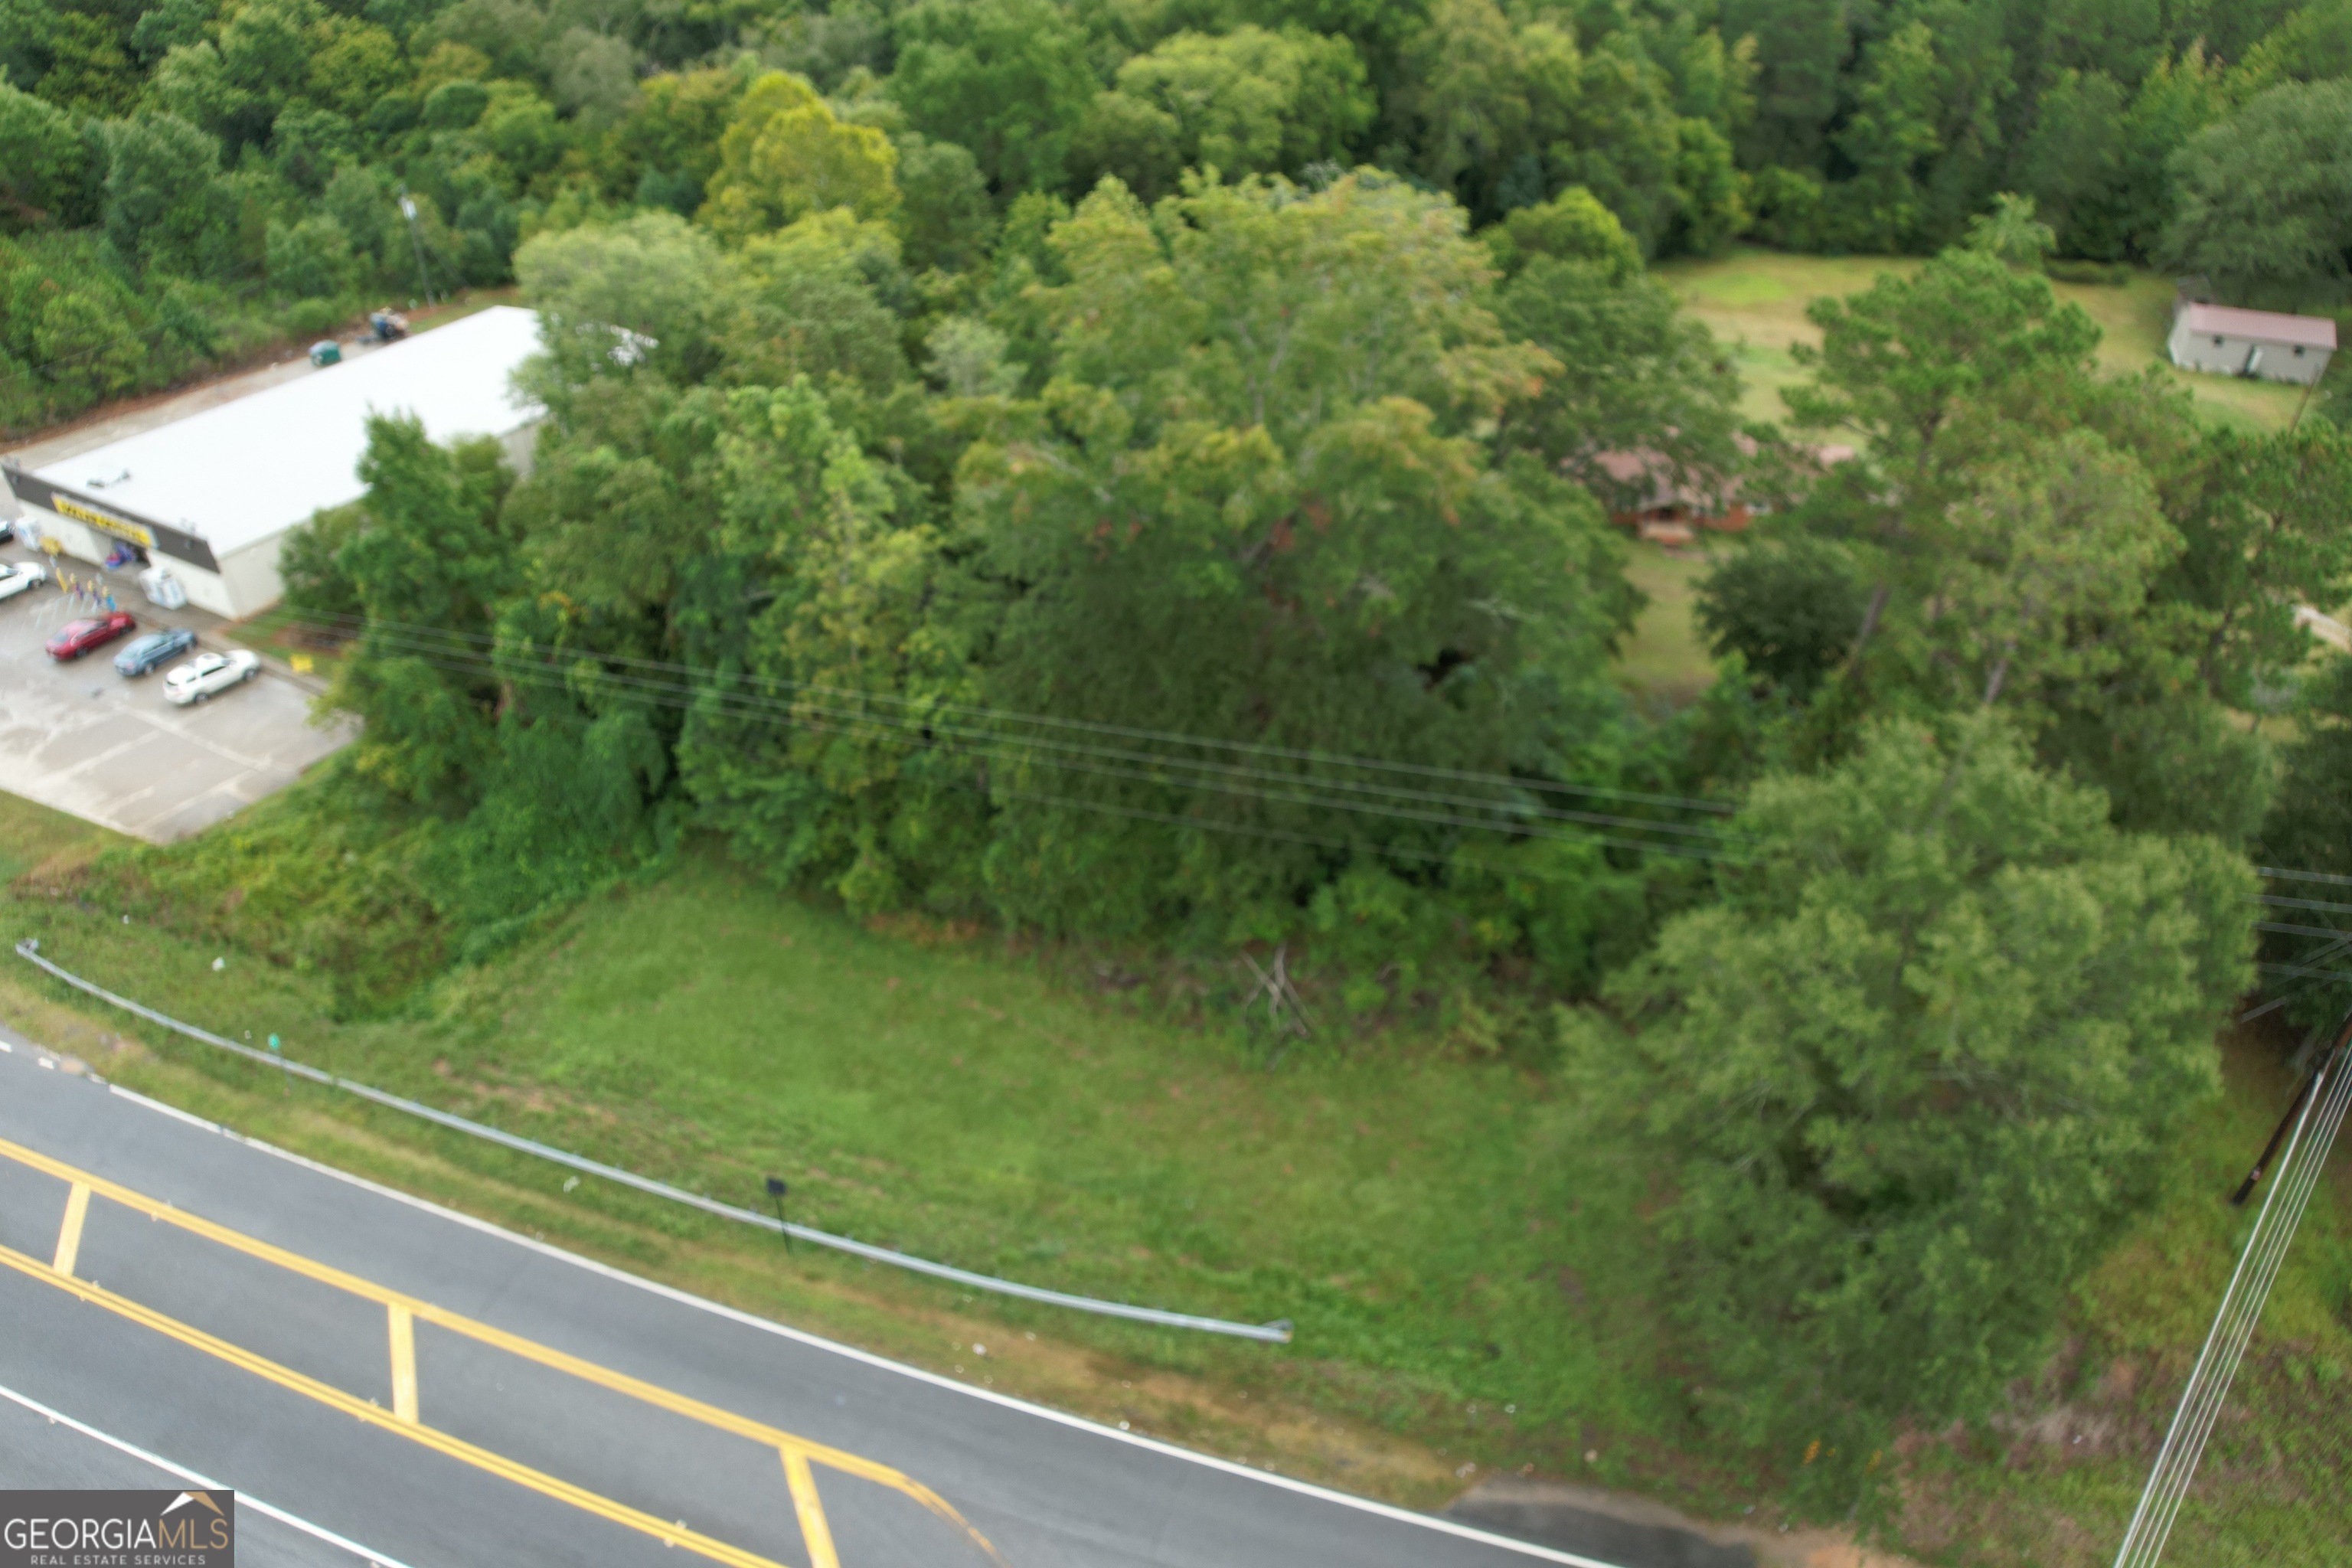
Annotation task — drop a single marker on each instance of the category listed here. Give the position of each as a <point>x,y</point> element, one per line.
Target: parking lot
<point>84,740</point>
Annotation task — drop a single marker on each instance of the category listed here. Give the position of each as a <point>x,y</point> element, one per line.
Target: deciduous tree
<point>429,570</point>
<point>1251,101</point>
<point>2264,203</point>
<point>1007,78</point>
<point>1250,505</point>
<point>1914,1070</point>
<point>654,292</point>
<point>44,164</point>
<point>785,155</point>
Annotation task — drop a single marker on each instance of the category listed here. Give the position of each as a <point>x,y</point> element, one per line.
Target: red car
<point>78,638</point>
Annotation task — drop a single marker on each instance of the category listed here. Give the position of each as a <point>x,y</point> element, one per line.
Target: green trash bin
<point>326,352</point>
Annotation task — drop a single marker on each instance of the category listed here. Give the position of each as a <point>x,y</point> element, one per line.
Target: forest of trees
<point>185,182</point>
<point>1129,472</point>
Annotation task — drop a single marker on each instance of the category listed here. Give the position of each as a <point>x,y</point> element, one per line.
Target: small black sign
<point>118,1529</point>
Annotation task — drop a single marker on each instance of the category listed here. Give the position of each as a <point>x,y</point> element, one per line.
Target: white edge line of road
<point>202,1482</point>
<point>1044,1413</point>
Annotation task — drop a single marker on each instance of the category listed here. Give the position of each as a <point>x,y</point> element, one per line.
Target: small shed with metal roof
<point>2228,340</point>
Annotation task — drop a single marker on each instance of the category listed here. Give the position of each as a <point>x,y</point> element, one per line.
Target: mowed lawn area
<point>1754,301</point>
<point>1664,659</point>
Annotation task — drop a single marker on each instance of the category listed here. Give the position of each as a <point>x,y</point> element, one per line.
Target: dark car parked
<point>147,652</point>
<point>76,638</point>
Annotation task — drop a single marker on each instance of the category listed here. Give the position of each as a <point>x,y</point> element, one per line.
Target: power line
<point>1175,819</point>
<point>2325,1103</point>
<point>2278,902</point>
<point>2294,970</point>
<point>2291,876</point>
<point>821,710</point>
<point>1109,766</point>
<point>347,625</point>
<point>1116,761</point>
<point>1206,825</point>
<point>687,698</point>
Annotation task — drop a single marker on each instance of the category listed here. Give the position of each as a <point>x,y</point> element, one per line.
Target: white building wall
<point>521,445</point>
<point>206,590</point>
<point>77,540</point>
<point>250,577</point>
<point>2224,354</point>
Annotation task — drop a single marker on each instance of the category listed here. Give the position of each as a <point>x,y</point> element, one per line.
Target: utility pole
<point>408,211</point>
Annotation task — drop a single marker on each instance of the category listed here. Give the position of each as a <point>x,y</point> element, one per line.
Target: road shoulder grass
<point>935,1093</point>
<point>1472,1277</point>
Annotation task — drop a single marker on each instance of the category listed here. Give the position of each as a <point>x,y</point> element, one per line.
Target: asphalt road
<point>388,1373</point>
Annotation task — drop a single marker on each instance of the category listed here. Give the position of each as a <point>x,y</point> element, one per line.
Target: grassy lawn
<point>30,835</point>
<point>1756,300</point>
<point>1472,1277</point>
<point>276,632</point>
<point>1665,659</point>
<point>1431,1225</point>
<point>2062,1477</point>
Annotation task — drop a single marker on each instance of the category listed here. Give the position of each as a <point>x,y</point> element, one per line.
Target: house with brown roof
<point>1646,492</point>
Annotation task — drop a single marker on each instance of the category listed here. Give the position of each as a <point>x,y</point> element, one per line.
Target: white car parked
<point>210,672</point>
<point>22,578</point>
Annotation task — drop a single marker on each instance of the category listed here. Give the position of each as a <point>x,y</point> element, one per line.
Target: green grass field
<point>1754,301</point>
<point>1664,660</point>
<point>1470,1271</point>
<point>1427,1223</point>
<point>279,632</point>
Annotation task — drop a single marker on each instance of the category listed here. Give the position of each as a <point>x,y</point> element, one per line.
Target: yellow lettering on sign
<point>104,523</point>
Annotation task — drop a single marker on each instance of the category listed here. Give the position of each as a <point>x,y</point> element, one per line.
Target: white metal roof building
<point>209,498</point>
<point>2228,340</point>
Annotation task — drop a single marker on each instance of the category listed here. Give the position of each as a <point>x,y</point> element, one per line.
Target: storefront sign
<point>136,533</point>
<point>145,532</point>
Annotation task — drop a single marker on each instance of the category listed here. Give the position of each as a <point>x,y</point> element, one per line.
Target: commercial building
<point>204,504</point>
<point>2228,340</point>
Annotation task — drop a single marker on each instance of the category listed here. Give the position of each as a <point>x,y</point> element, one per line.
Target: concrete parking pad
<point>82,739</point>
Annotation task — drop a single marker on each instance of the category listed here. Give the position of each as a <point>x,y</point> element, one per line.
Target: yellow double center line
<point>798,1453</point>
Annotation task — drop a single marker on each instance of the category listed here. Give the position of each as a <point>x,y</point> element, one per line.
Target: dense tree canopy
<point>1142,473</point>
<point>1249,505</point>
<point>1917,1065</point>
<point>2265,204</point>
<point>245,160</point>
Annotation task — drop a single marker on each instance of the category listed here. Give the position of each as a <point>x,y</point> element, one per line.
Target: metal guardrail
<point>1276,1333</point>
